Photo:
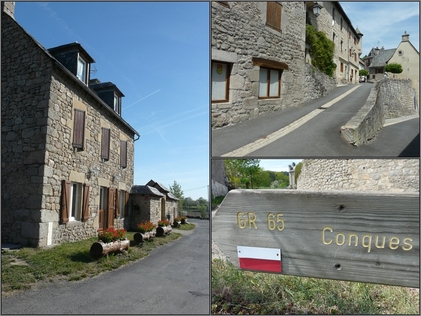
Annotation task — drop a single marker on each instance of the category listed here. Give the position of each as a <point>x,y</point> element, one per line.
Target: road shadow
<point>413,149</point>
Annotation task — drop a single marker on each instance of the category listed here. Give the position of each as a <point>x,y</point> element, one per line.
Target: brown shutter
<point>123,153</point>
<point>111,207</point>
<point>273,17</point>
<point>117,203</point>
<point>105,144</point>
<point>65,196</point>
<point>126,205</point>
<point>79,129</point>
<point>85,206</point>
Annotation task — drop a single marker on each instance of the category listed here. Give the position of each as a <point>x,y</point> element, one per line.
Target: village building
<point>152,202</point>
<point>67,153</point>
<point>333,21</point>
<point>260,61</point>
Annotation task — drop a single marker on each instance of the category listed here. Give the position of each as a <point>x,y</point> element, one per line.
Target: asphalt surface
<point>173,279</point>
<point>320,136</point>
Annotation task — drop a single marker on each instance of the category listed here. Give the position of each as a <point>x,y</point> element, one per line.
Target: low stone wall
<point>365,125</point>
<point>397,97</point>
<point>389,175</point>
<point>389,98</point>
<point>316,84</point>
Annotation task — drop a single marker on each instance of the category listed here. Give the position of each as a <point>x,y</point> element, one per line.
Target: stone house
<point>378,59</point>
<point>67,153</point>
<point>257,58</point>
<point>334,22</point>
<point>152,202</point>
<point>408,56</point>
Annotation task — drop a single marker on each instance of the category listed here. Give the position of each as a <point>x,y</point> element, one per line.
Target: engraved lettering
<point>323,235</point>
<point>279,219</point>
<point>252,218</point>
<point>241,222</point>
<point>367,245</point>
<point>377,242</point>
<point>394,242</point>
<point>272,224</point>
<point>350,239</point>
<point>340,243</point>
<point>407,242</point>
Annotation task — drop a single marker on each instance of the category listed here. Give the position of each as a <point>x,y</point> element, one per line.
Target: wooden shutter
<point>111,207</point>
<point>65,201</point>
<point>85,206</point>
<point>123,153</point>
<point>105,144</point>
<point>126,205</point>
<point>273,17</point>
<point>79,129</point>
<point>117,203</point>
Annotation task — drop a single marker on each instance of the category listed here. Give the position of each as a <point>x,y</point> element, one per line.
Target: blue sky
<point>277,164</point>
<point>157,53</point>
<point>384,23</point>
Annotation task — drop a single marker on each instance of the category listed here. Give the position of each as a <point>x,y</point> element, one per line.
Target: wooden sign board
<point>355,236</point>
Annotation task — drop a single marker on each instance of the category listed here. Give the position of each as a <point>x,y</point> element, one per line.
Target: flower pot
<point>100,249</point>
<point>163,230</point>
<point>141,237</point>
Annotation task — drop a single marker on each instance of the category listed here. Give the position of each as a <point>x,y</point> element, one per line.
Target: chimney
<point>9,8</point>
<point>405,37</point>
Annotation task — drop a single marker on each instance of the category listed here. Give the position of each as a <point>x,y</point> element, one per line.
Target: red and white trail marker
<point>260,259</point>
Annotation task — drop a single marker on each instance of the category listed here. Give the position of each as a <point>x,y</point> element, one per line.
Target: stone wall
<point>397,97</point>
<point>316,84</point>
<point>144,208</point>
<point>239,33</point>
<point>389,98</point>
<point>38,102</point>
<point>389,175</point>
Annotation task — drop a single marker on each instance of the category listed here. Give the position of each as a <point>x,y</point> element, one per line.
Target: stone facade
<point>241,38</point>
<point>219,178</point>
<point>334,22</point>
<point>389,175</point>
<point>152,202</point>
<point>39,96</point>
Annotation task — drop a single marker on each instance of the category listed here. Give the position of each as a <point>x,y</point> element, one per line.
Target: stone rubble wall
<point>316,84</point>
<point>38,99</point>
<point>387,175</point>
<point>240,33</point>
<point>389,98</point>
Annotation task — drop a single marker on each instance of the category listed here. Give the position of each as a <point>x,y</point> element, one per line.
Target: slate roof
<point>145,189</point>
<point>382,57</point>
<point>172,196</point>
<point>155,184</point>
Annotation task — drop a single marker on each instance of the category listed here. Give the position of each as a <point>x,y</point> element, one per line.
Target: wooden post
<point>356,236</point>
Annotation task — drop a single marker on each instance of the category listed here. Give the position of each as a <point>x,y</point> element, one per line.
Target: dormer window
<point>109,93</point>
<point>117,103</point>
<point>74,57</point>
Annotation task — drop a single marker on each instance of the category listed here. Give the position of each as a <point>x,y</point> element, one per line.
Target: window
<point>220,81</point>
<point>273,15</point>
<point>123,153</point>
<point>75,201</point>
<point>122,203</point>
<point>269,83</point>
<point>341,45</point>
<point>333,16</point>
<point>117,104</point>
<point>103,198</point>
<point>105,144</point>
<point>81,69</point>
<point>342,67</point>
<point>79,129</point>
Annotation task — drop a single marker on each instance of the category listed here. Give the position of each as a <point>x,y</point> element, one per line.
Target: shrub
<point>163,223</point>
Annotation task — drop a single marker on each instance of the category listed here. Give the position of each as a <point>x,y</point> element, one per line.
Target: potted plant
<point>109,240</point>
<point>164,228</point>
<point>146,231</point>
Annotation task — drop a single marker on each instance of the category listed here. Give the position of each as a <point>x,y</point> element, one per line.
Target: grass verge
<point>241,292</point>
<point>188,226</point>
<point>21,269</point>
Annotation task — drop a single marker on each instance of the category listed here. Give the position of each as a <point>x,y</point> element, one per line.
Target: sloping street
<point>313,130</point>
<point>173,279</point>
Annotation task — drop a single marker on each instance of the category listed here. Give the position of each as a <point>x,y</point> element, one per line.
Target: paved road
<point>173,279</point>
<point>313,130</point>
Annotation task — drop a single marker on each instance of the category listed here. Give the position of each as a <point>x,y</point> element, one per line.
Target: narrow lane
<point>173,279</point>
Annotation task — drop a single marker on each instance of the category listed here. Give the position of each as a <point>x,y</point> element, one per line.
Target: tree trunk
<point>99,248</point>
<point>163,230</point>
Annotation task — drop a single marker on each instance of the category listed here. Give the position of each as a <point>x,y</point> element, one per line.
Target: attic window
<point>400,53</point>
<point>81,69</point>
<point>117,104</point>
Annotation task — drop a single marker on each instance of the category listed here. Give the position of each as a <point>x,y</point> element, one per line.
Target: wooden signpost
<point>355,236</point>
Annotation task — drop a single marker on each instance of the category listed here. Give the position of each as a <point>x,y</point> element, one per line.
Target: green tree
<point>241,172</point>
<point>363,72</point>
<point>175,189</point>
<point>393,68</point>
